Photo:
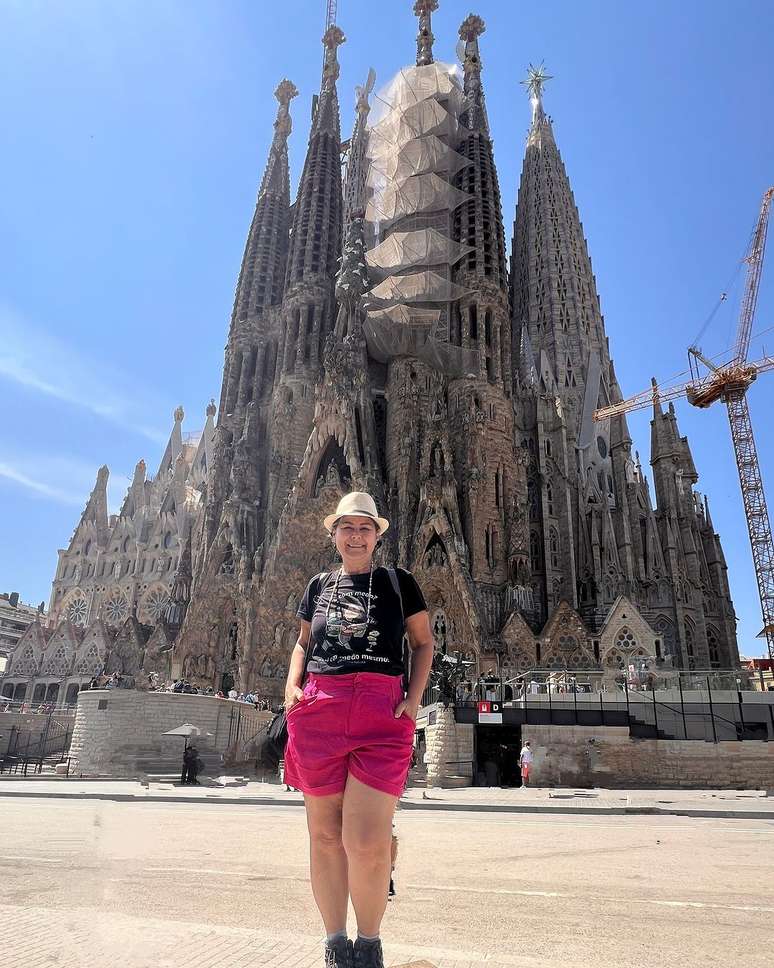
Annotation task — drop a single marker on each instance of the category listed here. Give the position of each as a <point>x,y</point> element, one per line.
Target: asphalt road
<point>519,890</point>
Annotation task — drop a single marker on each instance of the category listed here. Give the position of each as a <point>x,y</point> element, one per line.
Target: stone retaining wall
<point>113,727</point>
<point>607,757</point>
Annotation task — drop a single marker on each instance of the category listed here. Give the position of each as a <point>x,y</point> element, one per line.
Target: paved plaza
<point>198,885</point>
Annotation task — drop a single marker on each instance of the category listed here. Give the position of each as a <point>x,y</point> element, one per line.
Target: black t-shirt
<point>341,642</point>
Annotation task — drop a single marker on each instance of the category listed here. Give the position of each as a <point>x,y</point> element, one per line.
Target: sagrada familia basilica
<point>381,339</point>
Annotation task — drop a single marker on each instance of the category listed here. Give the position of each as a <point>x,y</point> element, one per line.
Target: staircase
<point>162,765</point>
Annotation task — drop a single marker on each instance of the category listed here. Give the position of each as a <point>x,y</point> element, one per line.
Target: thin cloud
<point>75,480</point>
<point>43,364</point>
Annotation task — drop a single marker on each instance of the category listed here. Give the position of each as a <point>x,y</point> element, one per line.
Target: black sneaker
<point>338,954</point>
<point>367,954</point>
<point>391,891</point>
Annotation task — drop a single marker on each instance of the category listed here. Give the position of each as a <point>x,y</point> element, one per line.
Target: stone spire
<point>478,223</point>
<point>474,114</point>
<point>262,274</point>
<point>553,289</point>
<point>317,218</point>
<point>357,163</point>
<point>425,39</point>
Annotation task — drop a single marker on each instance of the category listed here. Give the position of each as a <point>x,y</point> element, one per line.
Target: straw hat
<point>357,504</point>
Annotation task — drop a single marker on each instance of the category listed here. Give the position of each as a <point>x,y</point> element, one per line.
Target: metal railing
<point>689,705</point>
<point>25,752</point>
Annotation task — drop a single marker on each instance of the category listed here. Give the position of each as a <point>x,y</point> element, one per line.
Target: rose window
<point>625,640</point>
<point>156,602</point>
<point>567,643</point>
<point>77,610</point>
<point>116,608</point>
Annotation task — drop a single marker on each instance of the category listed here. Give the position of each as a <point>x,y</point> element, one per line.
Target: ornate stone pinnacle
<point>536,80</point>
<point>211,408</point>
<point>424,10</point>
<point>179,415</point>
<point>286,91</point>
<point>471,28</point>
<point>333,37</point>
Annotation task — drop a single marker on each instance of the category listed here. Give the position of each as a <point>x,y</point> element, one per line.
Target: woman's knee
<point>325,828</point>
<point>366,843</point>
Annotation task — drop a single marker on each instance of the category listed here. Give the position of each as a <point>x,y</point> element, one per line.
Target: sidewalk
<point>745,804</point>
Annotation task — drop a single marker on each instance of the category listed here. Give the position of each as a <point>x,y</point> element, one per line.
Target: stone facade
<point>114,729</point>
<point>379,341</point>
<point>531,530</point>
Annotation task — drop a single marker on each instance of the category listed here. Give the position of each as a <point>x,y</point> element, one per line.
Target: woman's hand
<point>408,707</point>
<point>293,694</point>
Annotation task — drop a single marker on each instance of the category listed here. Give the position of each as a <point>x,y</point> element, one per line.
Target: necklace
<point>335,595</point>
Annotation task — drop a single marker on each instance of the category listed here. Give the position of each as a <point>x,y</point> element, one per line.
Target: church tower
<point>378,342</point>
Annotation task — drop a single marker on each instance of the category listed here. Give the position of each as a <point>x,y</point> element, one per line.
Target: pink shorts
<point>346,724</point>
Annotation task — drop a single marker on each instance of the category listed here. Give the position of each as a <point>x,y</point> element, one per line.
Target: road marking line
<point>231,873</point>
<point>467,889</point>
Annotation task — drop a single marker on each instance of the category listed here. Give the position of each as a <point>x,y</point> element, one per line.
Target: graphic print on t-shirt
<point>342,638</point>
<point>348,619</point>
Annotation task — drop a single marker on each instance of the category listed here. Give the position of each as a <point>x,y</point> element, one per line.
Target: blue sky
<point>132,141</point>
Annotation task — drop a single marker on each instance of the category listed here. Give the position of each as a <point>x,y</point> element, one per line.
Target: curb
<point>427,805</point>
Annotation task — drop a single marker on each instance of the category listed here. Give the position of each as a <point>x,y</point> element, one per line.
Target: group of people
<point>184,686</point>
<point>192,766</point>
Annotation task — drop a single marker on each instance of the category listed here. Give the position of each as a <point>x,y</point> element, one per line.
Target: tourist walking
<point>525,762</point>
<point>351,724</point>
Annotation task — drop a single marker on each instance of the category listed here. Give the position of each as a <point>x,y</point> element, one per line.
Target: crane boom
<point>754,262</point>
<point>641,401</point>
<point>330,16</point>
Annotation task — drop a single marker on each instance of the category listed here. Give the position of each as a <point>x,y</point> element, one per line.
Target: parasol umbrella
<point>187,730</point>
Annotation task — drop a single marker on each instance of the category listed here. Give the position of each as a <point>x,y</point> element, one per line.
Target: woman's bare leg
<point>328,860</point>
<point>366,833</point>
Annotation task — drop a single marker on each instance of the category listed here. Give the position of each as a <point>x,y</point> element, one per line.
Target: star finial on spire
<point>536,80</point>
<point>424,10</point>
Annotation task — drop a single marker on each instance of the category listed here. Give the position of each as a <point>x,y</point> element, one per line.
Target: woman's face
<point>355,539</point>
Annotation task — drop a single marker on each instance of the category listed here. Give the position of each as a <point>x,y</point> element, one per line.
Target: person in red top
<point>351,725</point>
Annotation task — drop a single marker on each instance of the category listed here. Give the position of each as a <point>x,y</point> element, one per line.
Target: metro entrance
<point>497,749</point>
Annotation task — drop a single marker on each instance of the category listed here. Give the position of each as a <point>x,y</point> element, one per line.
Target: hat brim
<point>381,523</point>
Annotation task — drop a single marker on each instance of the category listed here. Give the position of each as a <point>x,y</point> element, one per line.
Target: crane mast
<point>330,16</point>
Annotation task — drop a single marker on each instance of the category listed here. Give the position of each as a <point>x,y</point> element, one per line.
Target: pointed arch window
<point>550,499</point>
<point>689,646</point>
<point>714,648</point>
<point>553,547</point>
<point>534,551</point>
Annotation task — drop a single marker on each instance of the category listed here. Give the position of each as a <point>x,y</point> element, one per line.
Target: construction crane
<point>330,17</point>
<point>730,382</point>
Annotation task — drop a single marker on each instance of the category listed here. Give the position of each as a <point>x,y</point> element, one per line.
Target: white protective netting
<point>426,247</point>
<point>417,287</point>
<point>411,201</point>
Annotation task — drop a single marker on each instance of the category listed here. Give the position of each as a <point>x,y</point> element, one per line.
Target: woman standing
<point>351,726</point>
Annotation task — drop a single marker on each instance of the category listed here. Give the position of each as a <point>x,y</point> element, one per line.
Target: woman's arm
<point>293,690</point>
<point>422,647</point>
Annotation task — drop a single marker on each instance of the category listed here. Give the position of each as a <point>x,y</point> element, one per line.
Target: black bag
<point>270,746</point>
